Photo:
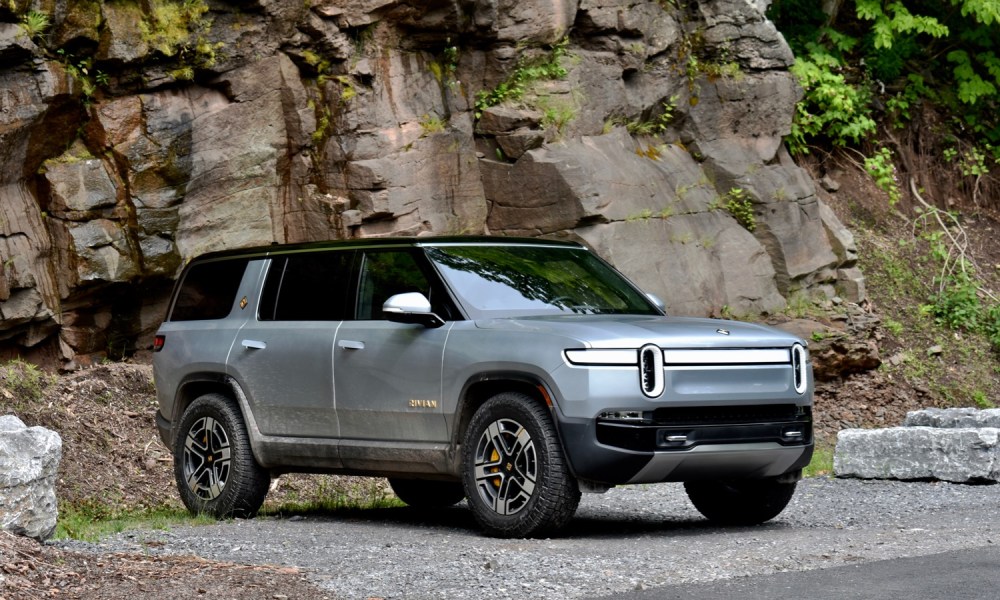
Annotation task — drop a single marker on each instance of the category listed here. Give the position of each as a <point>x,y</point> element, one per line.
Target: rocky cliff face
<point>136,134</point>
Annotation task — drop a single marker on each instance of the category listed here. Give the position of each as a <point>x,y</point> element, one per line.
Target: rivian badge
<point>722,331</point>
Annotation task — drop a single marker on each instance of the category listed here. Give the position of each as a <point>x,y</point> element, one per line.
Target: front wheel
<point>740,502</point>
<point>516,478</point>
<point>213,464</point>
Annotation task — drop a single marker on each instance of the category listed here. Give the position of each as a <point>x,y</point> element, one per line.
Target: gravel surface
<point>631,538</point>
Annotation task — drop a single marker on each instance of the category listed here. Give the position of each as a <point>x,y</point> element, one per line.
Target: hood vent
<point>651,370</point>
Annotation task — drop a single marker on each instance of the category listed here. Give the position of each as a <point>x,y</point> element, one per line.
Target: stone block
<point>953,418</point>
<point>29,461</point>
<point>960,455</point>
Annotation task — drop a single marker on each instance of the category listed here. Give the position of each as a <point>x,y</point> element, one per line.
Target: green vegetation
<point>92,522</point>
<point>883,171</point>
<point>323,126</point>
<point>35,23</point>
<point>960,300</point>
<point>953,322</point>
<point>527,72</point>
<point>446,64</point>
<point>22,382</point>
<point>431,124</point>
<point>178,28</point>
<point>654,126</point>
<point>821,463</point>
<point>95,519</point>
<point>347,89</point>
<point>557,114</point>
<point>359,493</point>
<point>643,215</point>
<point>898,53</point>
<point>81,69</point>
<point>737,202</point>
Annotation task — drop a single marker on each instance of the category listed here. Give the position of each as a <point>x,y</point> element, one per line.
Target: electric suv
<point>512,373</point>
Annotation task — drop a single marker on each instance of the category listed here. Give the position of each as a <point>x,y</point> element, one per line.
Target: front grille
<point>730,415</point>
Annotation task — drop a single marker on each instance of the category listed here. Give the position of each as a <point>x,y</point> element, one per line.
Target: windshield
<point>494,281</point>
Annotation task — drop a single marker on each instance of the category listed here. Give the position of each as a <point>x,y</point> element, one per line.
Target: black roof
<point>259,251</point>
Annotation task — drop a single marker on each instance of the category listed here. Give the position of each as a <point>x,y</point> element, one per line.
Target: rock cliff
<point>136,134</point>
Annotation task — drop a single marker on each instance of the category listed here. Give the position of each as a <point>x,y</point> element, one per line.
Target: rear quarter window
<point>208,290</point>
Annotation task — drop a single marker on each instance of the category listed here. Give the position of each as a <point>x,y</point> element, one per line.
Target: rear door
<point>387,376</point>
<point>284,357</point>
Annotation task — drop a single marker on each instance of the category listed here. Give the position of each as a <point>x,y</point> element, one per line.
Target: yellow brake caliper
<point>494,457</point>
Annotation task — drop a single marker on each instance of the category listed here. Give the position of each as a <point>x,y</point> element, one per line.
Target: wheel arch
<point>194,386</point>
<point>483,386</point>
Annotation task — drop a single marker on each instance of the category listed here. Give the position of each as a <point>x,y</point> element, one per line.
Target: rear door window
<point>208,290</point>
<point>307,287</point>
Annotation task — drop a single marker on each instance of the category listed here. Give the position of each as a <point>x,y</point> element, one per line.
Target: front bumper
<point>615,453</point>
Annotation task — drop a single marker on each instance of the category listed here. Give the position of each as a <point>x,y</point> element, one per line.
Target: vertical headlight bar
<point>800,368</point>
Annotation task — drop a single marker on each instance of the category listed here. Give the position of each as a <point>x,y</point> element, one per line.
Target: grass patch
<point>821,463</point>
<point>340,503</point>
<point>90,523</point>
<point>336,495</point>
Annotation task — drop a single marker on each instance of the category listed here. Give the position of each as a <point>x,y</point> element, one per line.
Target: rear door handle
<point>351,345</point>
<point>254,345</point>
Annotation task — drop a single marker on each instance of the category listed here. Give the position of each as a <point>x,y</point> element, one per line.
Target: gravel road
<point>630,538</point>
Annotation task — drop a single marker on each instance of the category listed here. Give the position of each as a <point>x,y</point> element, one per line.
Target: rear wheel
<point>740,502</point>
<point>213,464</point>
<point>516,478</point>
<point>422,493</point>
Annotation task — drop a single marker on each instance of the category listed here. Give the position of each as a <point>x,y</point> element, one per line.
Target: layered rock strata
<point>135,135</point>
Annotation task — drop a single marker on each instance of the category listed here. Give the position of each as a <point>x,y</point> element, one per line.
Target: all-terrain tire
<point>740,502</point>
<point>213,463</point>
<point>428,494</point>
<point>516,478</point>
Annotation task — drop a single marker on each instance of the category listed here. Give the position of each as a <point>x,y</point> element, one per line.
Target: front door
<point>387,376</point>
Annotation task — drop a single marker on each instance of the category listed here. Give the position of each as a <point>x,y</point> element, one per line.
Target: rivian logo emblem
<point>722,331</point>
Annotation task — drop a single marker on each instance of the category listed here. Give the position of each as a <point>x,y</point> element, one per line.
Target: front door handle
<point>254,345</point>
<point>350,345</point>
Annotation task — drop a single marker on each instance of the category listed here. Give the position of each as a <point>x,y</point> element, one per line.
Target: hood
<point>633,331</point>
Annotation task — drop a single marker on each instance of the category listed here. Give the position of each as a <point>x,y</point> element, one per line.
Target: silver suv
<point>512,373</point>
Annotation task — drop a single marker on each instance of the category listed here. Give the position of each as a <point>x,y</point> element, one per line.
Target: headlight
<point>800,368</point>
<point>602,357</point>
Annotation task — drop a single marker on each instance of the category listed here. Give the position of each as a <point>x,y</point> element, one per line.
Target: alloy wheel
<point>207,458</point>
<point>506,466</point>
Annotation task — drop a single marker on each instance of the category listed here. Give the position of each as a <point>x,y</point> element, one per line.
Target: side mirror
<point>657,301</point>
<point>411,307</point>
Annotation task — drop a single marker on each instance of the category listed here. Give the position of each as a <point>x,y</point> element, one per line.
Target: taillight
<point>158,342</point>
